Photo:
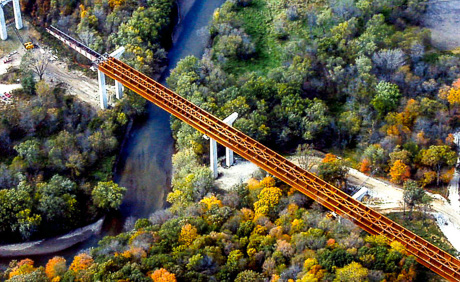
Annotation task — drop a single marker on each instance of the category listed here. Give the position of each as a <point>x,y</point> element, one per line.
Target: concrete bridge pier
<point>17,14</point>
<point>118,90</point>
<point>213,148</point>
<point>213,157</point>
<point>101,80</point>
<point>17,17</point>
<point>102,89</point>
<point>3,33</point>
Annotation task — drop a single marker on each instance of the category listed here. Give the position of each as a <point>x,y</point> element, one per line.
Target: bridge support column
<point>213,157</point>
<point>118,86</point>
<point>3,33</point>
<point>229,157</point>
<point>229,153</point>
<point>17,14</point>
<point>118,90</point>
<point>102,90</point>
<point>213,149</point>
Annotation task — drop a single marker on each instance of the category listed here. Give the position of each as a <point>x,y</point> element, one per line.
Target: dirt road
<point>76,82</point>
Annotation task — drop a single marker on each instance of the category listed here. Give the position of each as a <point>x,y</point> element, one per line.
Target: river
<point>145,166</point>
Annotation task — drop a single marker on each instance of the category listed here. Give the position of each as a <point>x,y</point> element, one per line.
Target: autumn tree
<point>211,201</point>
<point>438,156</point>
<point>24,266</point>
<point>81,262</point>
<point>268,199</point>
<point>162,275</point>
<point>451,93</point>
<point>188,234</point>
<point>399,172</point>
<point>353,272</point>
<point>55,267</point>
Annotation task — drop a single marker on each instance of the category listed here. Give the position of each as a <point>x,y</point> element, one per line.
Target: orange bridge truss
<point>307,183</point>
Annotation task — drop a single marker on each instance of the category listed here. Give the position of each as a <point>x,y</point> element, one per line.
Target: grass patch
<point>258,23</point>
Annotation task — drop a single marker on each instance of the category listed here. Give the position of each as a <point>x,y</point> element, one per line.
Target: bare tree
<point>36,62</point>
<point>306,156</point>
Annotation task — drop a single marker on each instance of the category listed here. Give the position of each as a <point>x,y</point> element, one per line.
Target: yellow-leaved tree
<point>211,201</point>
<point>451,93</point>
<point>268,199</point>
<point>188,234</point>
<point>353,272</point>
<point>81,262</point>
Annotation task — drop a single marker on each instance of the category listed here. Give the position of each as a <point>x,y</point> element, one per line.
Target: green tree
<point>30,152</point>
<point>387,98</point>
<point>349,124</point>
<point>28,223</point>
<point>413,195</point>
<point>375,154</point>
<point>333,170</point>
<point>28,83</point>
<point>57,199</point>
<point>315,120</point>
<point>108,195</point>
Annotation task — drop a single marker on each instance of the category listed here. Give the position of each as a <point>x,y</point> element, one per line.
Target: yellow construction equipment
<point>29,45</point>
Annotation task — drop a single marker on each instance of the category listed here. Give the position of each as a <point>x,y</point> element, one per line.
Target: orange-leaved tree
<point>81,262</point>
<point>162,275</point>
<point>55,267</point>
<point>399,172</point>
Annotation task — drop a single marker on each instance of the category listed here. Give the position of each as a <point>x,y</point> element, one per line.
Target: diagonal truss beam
<point>307,183</point>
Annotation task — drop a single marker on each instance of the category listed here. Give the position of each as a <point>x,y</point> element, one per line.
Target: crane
<point>427,254</point>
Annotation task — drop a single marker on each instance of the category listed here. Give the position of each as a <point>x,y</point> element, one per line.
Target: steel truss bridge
<point>307,183</point>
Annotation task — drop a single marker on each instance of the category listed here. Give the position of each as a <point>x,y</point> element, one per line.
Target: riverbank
<point>51,245</point>
<point>146,156</point>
